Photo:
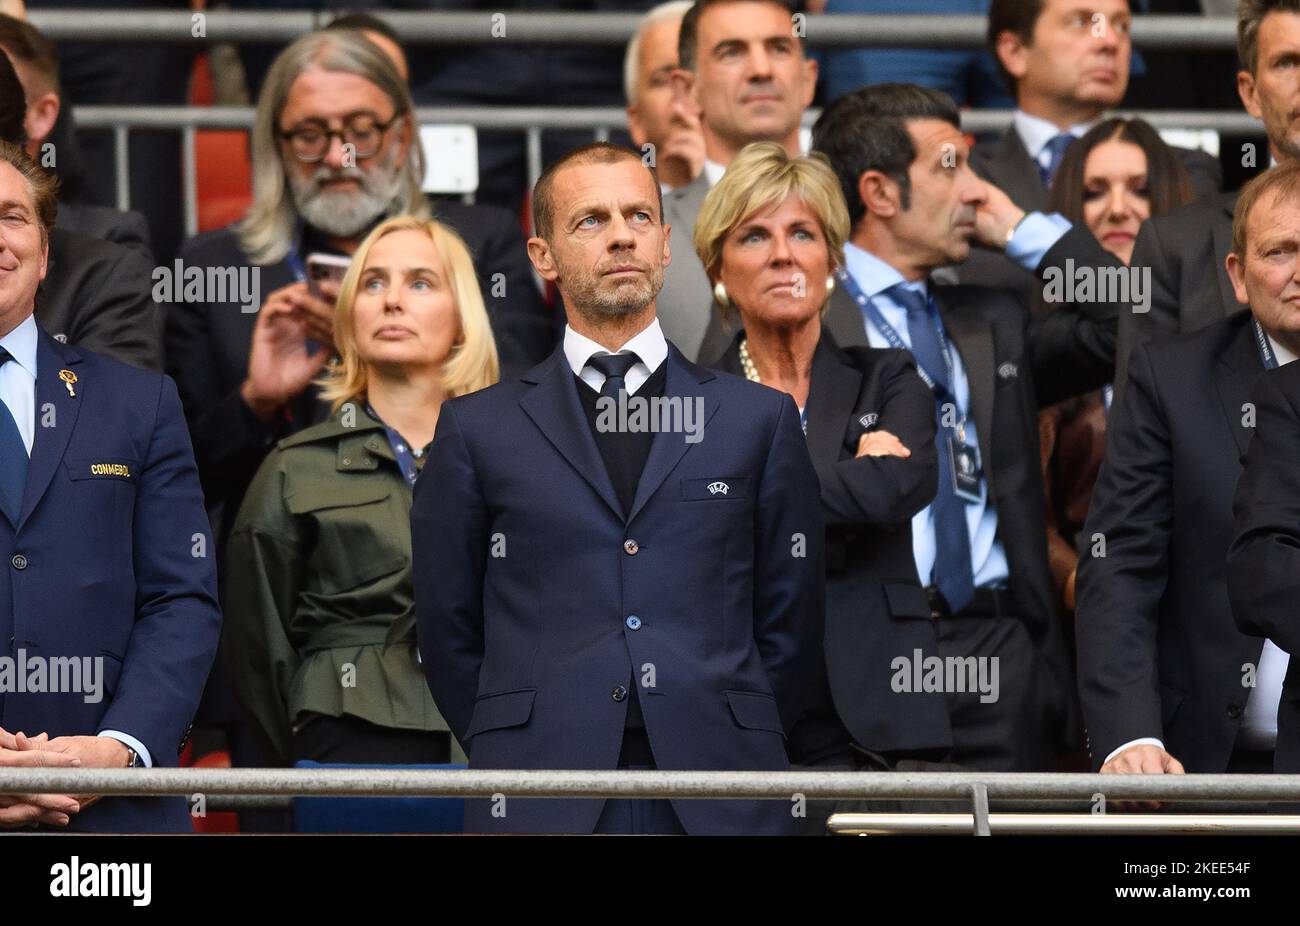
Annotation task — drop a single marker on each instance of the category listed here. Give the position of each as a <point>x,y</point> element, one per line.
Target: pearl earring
<point>720,294</point>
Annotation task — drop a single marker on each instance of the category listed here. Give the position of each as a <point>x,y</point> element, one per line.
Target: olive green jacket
<point>319,604</point>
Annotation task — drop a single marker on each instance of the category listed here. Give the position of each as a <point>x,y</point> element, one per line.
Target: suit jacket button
<point>19,561</point>
<point>619,693</point>
<point>630,547</point>
<point>1234,711</point>
<point>633,623</point>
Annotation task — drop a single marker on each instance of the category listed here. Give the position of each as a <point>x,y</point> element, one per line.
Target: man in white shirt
<point>600,595</point>
<point>1167,681</point>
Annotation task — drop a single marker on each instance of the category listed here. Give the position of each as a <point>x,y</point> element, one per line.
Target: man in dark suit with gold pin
<point>108,582</point>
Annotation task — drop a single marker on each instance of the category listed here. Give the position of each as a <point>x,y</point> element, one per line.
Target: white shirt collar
<point>1283,355</point>
<point>713,172</point>
<point>21,344</point>
<point>649,344</point>
<point>1036,132</point>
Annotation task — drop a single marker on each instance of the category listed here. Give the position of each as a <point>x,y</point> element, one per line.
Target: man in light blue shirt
<point>915,205</point>
<point>108,612</point>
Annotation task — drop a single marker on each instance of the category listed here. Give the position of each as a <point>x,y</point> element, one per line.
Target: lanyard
<point>1265,349</point>
<point>870,309</point>
<point>405,459</point>
<point>295,263</point>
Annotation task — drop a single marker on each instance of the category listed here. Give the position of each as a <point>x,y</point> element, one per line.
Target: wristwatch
<point>132,760</point>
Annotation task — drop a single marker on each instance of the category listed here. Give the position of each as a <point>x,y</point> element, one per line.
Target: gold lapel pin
<point>68,378</point>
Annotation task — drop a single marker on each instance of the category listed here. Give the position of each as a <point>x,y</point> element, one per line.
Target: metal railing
<point>978,788</point>
<point>532,121</point>
<point>568,28</point>
<point>449,28</point>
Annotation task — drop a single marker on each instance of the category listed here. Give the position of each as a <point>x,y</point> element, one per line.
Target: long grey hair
<point>267,230</point>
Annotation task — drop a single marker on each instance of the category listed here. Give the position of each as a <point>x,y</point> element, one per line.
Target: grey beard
<point>340,213</point>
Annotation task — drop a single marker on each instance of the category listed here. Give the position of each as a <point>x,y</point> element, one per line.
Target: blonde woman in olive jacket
<point>320,626</point>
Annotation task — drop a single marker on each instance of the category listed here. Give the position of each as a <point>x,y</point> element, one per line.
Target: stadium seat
<point>377,814</point>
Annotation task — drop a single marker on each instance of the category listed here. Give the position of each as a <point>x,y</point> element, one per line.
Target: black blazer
<point>1190,288</point>
<point>1015,367</point>
<point>207,343</point>
<point>876,610</point>
<point>1264,560</point>
<point>98,295</point>
<point>1159,654</point>
<point>1006,163</point>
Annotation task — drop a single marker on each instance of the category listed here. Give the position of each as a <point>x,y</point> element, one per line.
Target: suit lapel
<point>1222,235</point>
<point>844,320</point>
<point>832,398</point>
<point>683,205</point>
<point>1017,174</point>
<point>684,379</point>
<point>55,405</point>
<point>1238,367</point>
<point>973,338</point>
<point>556,410</point>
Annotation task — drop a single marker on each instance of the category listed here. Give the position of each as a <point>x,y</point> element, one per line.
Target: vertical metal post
<point>190,181</point>
<point>602,133</point>
<point>980,805</point>
<point>122,166</point>
<point>534,153</point>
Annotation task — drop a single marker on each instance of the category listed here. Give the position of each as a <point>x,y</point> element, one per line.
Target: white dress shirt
<point>649,344</point>
<point>18,392</point>
<point>1259,722</point>
<point>713,172</point>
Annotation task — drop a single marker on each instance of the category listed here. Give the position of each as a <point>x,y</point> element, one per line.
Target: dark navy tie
<point>13,458</point>
<point>952,564</point>
<point>1056,149</point>
<point>614,368</point>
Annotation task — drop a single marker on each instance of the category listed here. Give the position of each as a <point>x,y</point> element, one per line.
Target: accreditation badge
<point>965,466</point>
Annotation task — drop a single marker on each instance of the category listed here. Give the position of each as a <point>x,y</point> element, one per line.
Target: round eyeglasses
<point>310,140</point>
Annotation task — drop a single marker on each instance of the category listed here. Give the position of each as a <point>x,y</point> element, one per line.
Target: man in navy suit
<point>108,611</point>
<point>597,593</point>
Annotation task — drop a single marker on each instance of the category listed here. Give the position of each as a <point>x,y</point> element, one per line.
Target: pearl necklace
<point>747,363</point>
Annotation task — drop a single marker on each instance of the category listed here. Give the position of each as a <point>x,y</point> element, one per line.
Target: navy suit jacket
<point>111,562</point>
<point>526,579</point>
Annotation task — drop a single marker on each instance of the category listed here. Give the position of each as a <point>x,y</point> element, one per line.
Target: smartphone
<point>325,267</point>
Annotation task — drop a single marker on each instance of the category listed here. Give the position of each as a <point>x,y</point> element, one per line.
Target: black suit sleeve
<point>1136,328</point>
<point>449,548</point>
<point>1204,171</point>
<point>123,321</point>
<point>1264,560</point>
<point>789,587</point>
<point>525,330</point>
<point>230,442</point>
<point>1119,593</point>
<point>887,491</point>
<point>1073,345</point>
<point>132,231</point>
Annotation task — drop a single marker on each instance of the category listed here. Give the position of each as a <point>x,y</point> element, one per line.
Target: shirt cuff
<point>1035,236</point>
<point>131,742</point>
<point>1140,741</point>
